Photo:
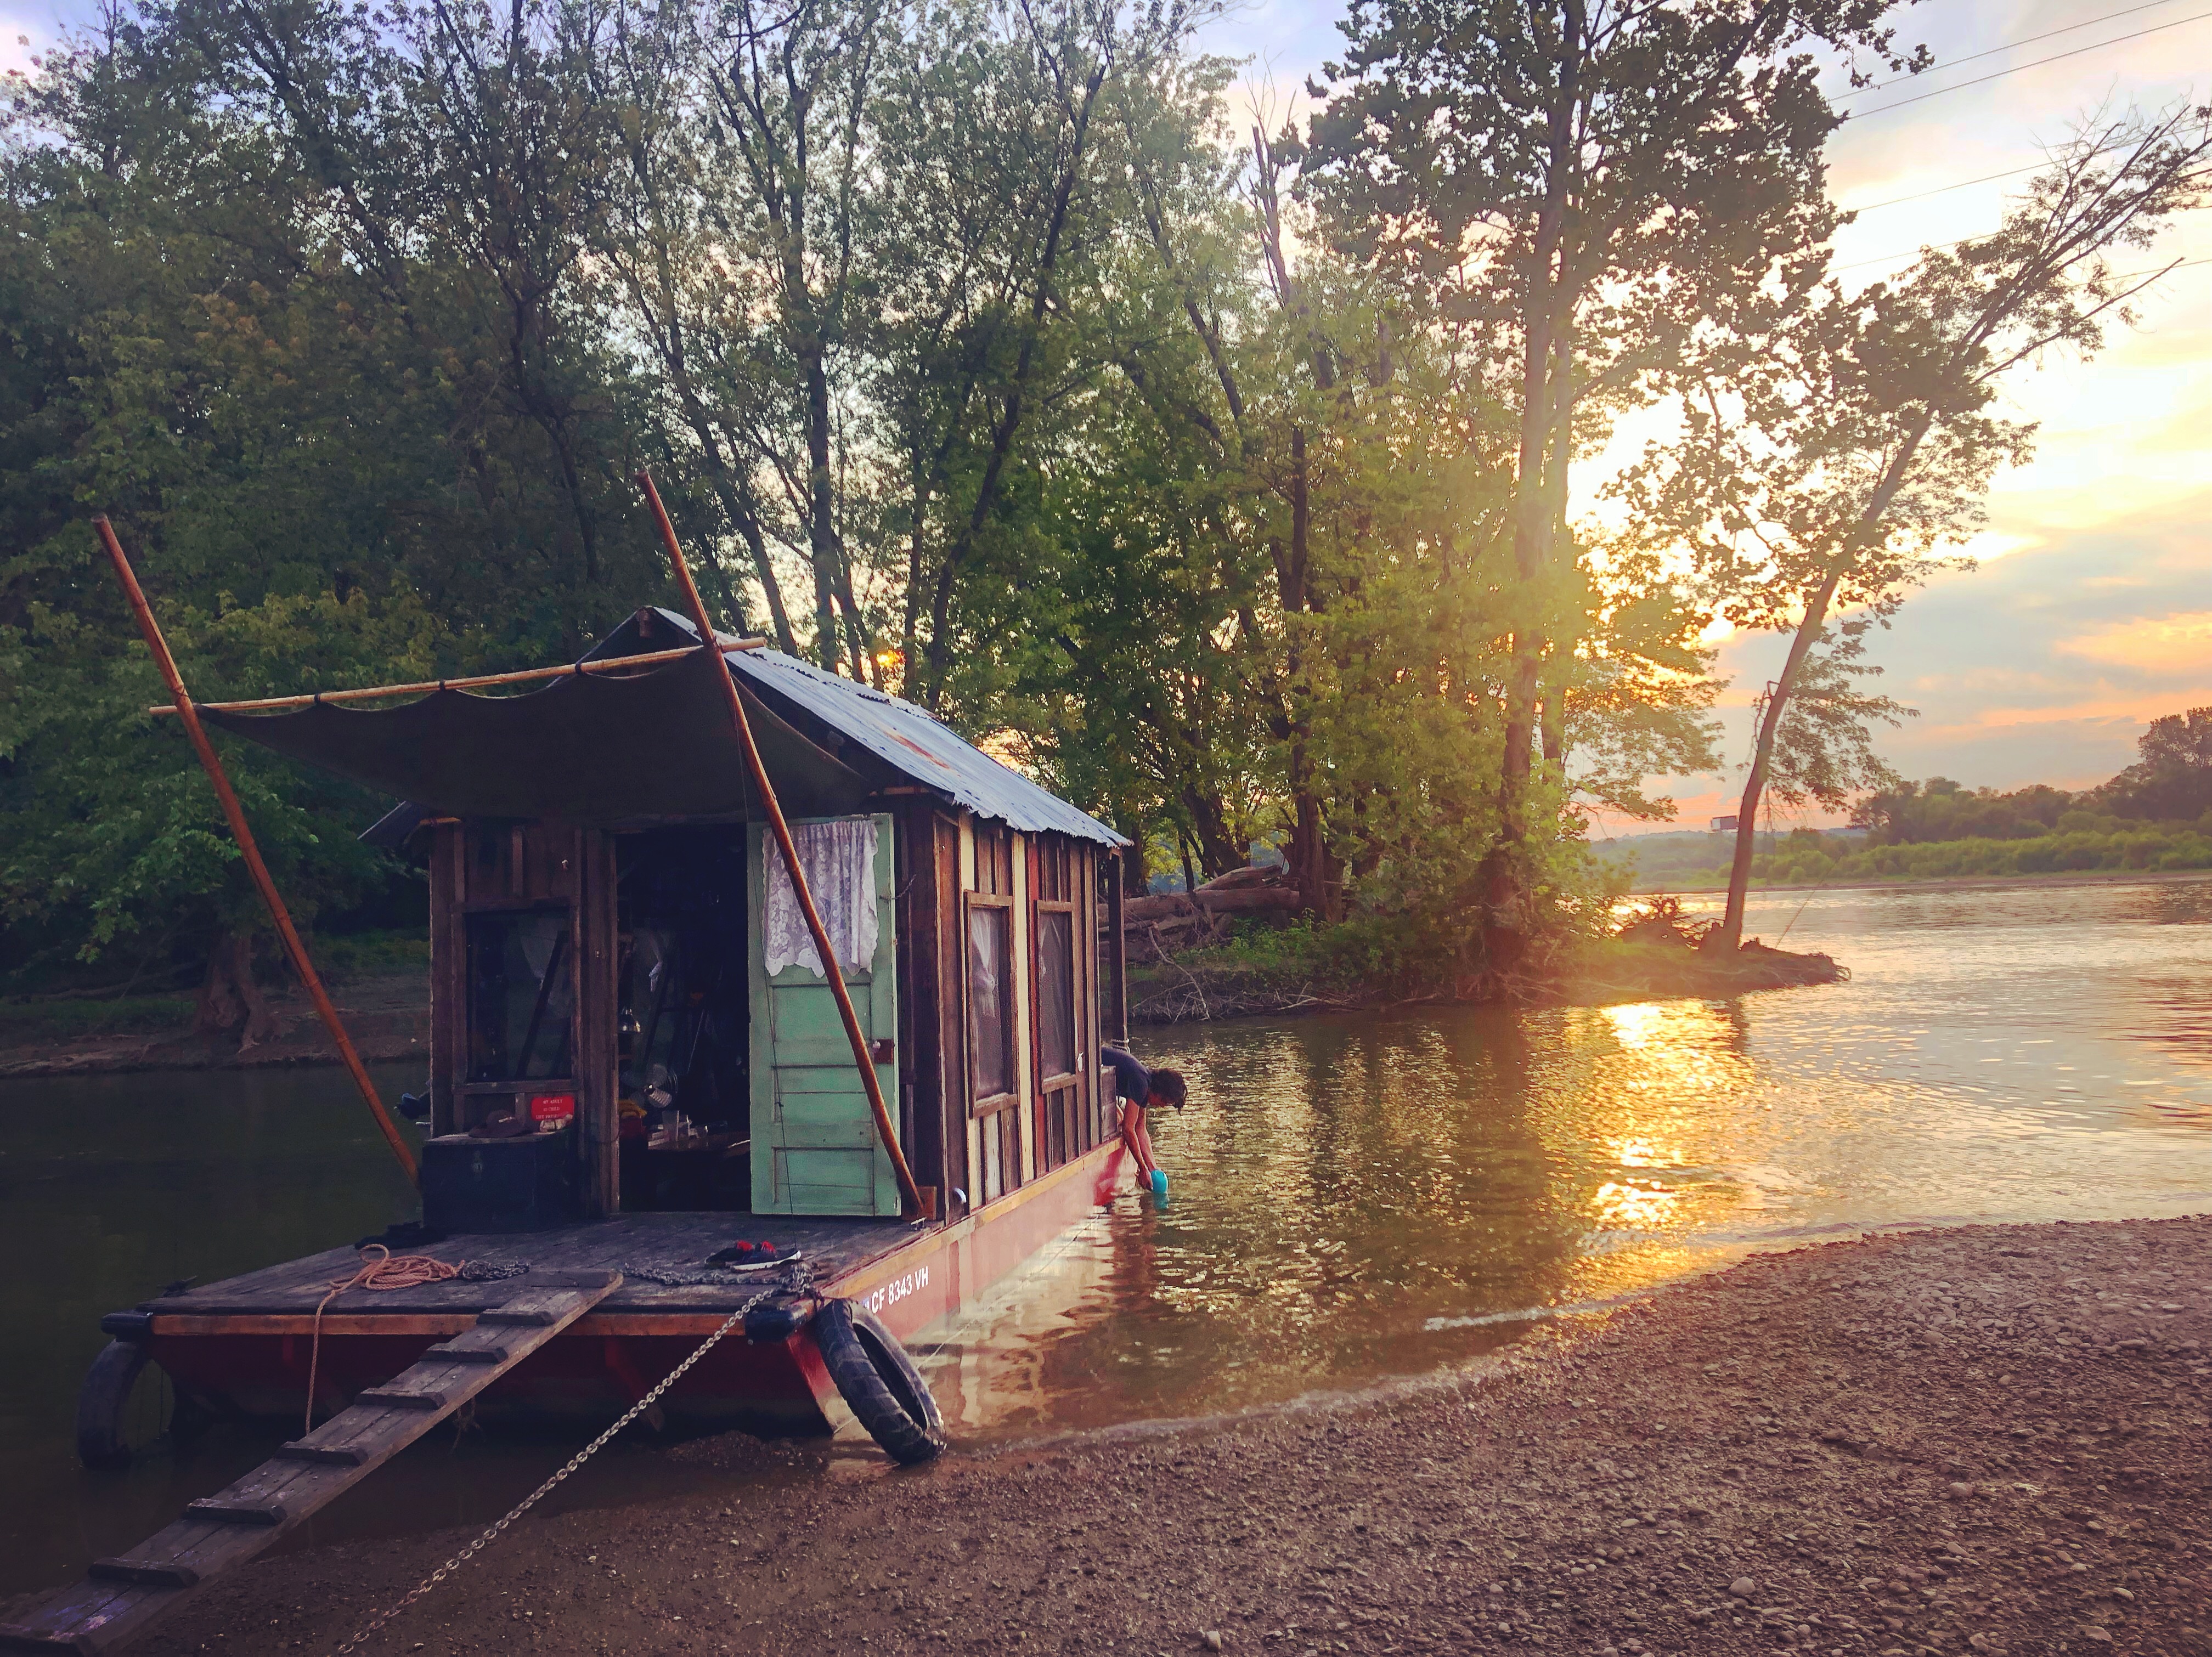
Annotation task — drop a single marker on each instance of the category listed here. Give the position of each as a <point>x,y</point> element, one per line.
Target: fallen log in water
<point>1206,902</point>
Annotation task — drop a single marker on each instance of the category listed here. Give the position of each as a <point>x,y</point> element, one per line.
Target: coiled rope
<point>387,1270</point>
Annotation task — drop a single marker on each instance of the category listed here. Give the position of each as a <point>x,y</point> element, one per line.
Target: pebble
<point>1212,1639</point>
<point>1960,1488</point>
<point>1743,1588</point>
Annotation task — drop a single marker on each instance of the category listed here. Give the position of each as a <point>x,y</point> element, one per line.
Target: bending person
<point>1138,1087</point>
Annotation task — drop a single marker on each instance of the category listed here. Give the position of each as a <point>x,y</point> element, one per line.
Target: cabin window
<point>990,997</point>
<point>1056,990</point>
<point>522,996</point>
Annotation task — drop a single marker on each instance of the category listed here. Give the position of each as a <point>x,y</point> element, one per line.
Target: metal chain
<point>796,1280</point>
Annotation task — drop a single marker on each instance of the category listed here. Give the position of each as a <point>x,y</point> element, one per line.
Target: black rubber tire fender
<point>879,1383</point>
<point>101,1400</point>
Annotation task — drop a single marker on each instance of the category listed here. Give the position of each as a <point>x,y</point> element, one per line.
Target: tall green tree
<point>1584,191</point>
<point>293,450</point>
<point>1836,462</point>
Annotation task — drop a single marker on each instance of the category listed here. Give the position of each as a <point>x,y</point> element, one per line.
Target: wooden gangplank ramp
<point>120,1598</point>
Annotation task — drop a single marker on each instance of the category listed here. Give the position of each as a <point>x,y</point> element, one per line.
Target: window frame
<point>982,1104</point>
<point>1053,1081</point>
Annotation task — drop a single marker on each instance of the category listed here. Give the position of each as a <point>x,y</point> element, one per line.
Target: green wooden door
<point>815,1149</point>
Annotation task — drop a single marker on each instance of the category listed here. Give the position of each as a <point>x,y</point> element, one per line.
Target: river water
<point>1354,1198</point>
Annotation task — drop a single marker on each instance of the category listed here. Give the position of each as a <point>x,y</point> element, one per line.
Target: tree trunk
<point>1505,877</point>
<point>730,486</point>
<point>1010,418</point>
<point>1309,859</point>
<point>739,504</point>
<point>1136,879</point>
<point>1545,401</point>
<point>1218,851</point>
<point>1728,937</point>
<point>821,556</point>
<point>1317,875</point>
<point>230,1002</point>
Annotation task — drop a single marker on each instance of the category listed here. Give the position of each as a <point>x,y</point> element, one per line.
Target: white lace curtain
<point>839,860</point>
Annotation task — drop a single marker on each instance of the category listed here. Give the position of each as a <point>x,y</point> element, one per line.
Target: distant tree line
<point>2170,785</point>
<point>2156,815</point>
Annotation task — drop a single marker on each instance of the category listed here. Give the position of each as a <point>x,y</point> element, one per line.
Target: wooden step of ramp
<point>120,1598</point>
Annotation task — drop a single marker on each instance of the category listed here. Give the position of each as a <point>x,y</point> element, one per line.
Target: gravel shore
<point>1992,1439</point>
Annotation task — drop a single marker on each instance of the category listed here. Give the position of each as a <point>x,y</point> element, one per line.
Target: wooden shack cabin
<point>635,1063</point>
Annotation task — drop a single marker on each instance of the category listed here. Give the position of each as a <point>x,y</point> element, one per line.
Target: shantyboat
<point>636,1065</point>
<point>725,1099</point>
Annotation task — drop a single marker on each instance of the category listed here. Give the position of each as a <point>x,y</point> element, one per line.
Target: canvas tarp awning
<point>594,750</point>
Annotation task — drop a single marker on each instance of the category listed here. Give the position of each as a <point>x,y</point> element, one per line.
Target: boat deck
<point>635,1245</point>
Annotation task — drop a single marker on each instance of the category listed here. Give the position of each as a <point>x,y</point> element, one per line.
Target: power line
<point>1910,254</point>
<point>2018,69</point>
<point>1986,178</point>
<point>1939,246</point>
<point>2129,275</point>
<point>2013,45</point>
<point>1962,240</point>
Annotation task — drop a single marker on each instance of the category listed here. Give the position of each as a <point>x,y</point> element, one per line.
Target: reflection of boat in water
<point>643,1112</point>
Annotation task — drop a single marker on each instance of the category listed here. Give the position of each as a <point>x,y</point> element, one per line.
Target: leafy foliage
<point>1831,462</point>
<point>1911,813</point>
<point>2173,778</point>
<point>982,358</point>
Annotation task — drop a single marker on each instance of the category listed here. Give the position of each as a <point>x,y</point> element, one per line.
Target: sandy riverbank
<point>1989,1440</point>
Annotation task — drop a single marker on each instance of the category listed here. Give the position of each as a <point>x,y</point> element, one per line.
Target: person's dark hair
<point>1167,1087</point>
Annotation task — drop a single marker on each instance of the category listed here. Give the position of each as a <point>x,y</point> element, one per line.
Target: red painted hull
<point>597,1369</point>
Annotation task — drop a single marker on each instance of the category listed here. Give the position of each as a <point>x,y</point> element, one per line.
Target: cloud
<point>2169,644</point>
<point>2042,666</point>
<point>2045,666</point>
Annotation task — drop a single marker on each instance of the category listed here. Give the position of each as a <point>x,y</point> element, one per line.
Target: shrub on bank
<point>1376,957</point>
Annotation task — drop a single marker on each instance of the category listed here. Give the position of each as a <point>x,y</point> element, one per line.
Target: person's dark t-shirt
<point>1131,1079</point>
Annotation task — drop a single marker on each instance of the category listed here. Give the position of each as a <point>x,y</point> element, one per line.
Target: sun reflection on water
<point>1371,1195</point>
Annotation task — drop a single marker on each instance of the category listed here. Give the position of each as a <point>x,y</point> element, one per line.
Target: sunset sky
<point>2091,612</point>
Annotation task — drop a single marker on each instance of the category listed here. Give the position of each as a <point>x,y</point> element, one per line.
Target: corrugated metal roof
<point>903,735</point>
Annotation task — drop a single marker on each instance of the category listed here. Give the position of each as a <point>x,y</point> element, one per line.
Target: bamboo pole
<point>370,693</point>
<point>252,852</point>
<point>909,1194</point>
